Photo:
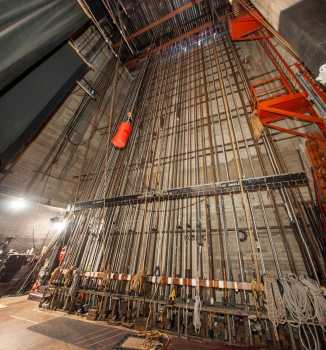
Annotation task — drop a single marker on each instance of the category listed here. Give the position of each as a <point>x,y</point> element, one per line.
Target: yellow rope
<point>152,338</point>
<point>256,288</point>
<point>257,126</point>
<point>55,275</point>
<point>68,276</point>
<point>173,295</point>
<point>137,281</point>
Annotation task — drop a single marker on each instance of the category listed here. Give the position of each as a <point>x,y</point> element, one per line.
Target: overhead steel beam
<point>220,188</point>
<point>161,20</point>
<point>131,63</point>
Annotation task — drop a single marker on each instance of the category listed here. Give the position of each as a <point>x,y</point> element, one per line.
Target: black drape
<point>30,29</point>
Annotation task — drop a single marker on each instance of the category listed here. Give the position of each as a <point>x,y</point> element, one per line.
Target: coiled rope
<point>298,301</point>
<point>306,306</point>
<point>317,299</point>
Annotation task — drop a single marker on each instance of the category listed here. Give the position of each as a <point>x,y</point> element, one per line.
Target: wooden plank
<point>131,63</point>
<point>158,22</point>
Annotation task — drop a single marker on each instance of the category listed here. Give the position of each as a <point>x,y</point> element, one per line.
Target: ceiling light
<point>18,204</point>
<point>59,226</point>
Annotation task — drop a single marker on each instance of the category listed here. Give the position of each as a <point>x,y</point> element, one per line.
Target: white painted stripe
<point>23,319</point>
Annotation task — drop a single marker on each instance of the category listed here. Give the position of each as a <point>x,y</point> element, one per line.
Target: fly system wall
<point>188,227</point>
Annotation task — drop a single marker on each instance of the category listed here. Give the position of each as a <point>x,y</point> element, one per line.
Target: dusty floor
<point>23,326</point>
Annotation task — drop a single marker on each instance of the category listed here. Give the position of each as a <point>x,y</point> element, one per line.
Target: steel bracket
<point>243,26</point>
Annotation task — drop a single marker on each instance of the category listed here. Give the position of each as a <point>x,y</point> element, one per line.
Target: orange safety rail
<point>287,98</point>
<point>294,106</point>
<point>258,84</point>
<point>243,26</point>
<point>290,80</point>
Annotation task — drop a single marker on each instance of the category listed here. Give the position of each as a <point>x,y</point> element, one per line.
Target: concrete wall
<point>50,172</point>
<point>303,24</point>
<point>27,224</point>
<point>273,9</point>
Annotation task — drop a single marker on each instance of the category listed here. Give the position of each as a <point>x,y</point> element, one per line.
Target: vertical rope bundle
<point>296,299</point>
<point>275,306</point>
<point>196,318</point>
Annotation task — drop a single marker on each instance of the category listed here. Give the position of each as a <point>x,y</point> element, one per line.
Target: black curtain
<point>30,29</point>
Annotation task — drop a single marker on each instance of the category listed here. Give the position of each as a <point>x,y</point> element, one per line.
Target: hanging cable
<point>118,23</point>
<point>88,12</point>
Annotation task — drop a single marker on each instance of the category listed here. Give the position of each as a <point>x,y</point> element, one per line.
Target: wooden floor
<point>23,326</point>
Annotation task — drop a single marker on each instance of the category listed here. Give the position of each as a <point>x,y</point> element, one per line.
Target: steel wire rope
<point>88,12</point>
<point>309,329</point>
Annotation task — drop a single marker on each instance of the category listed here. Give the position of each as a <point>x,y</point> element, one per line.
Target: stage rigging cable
<point>195,222</point>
